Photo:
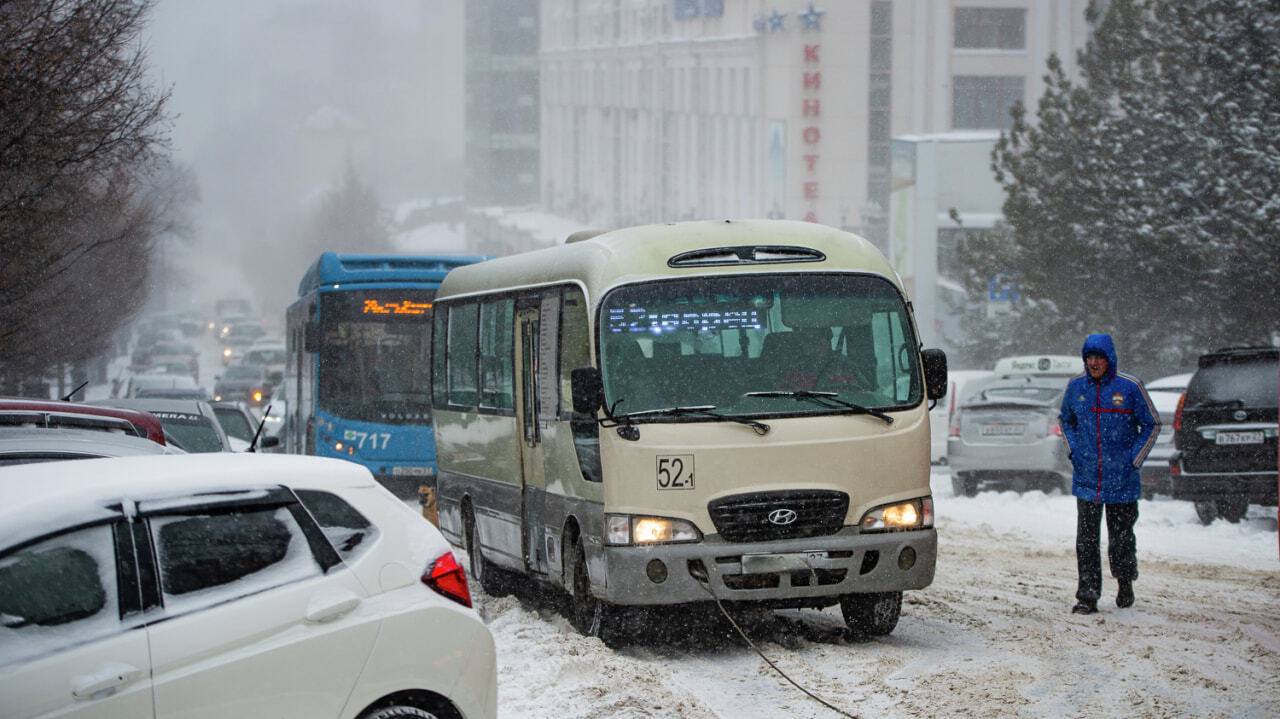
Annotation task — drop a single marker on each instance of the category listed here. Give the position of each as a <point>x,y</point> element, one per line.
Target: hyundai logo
<point>783,516</point>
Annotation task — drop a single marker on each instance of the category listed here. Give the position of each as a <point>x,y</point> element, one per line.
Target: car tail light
<point>1177,415</point>
<point>1055,429</point>
<point>954,429</point>
<point>446,577</point>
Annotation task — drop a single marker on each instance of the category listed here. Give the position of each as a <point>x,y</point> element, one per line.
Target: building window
<point>982,102</point>
<point>986,28</point>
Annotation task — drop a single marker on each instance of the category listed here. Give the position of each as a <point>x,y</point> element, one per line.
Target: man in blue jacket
<point>1110,425</point>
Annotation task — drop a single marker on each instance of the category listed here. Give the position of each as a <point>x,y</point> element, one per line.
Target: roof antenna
<point>253,446</point>
<point>72,393</point>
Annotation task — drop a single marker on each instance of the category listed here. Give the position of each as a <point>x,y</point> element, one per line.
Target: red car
<point>27,412</point>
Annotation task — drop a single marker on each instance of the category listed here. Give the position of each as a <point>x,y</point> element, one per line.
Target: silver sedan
<point>1005,434</point>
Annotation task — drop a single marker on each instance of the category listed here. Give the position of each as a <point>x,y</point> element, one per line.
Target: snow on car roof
<point>38,498</point>
<point>1177,382</point>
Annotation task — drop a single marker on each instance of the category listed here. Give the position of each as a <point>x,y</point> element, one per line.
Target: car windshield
<point>1246,383</point>
<point>375,360</point>
<point>234,423</point>
<point>712,341</point>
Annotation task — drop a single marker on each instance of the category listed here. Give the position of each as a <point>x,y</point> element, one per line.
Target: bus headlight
<point>913,514</point>
<point>625,529</point>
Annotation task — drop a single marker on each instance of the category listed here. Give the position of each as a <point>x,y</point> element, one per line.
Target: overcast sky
<point>272,97</point>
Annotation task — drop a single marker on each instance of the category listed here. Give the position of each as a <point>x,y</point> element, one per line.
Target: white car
<point>941,415</point>
<point>1165,393</point>
<point>230,585</point>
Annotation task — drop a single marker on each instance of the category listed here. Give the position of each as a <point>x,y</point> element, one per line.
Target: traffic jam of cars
<point>178,560</point>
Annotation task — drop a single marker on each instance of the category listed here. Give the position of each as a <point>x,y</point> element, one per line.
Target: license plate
<point>411,471</point>
<point>1239,438</point>
<point>1004,429</point>
<point>773,563</point>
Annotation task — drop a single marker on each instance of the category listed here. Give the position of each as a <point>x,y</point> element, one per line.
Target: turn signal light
<point>446,578</point>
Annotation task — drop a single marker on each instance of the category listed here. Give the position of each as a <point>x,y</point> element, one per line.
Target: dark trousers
<point>1122,548</point>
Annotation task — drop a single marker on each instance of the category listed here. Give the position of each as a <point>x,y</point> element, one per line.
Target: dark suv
<point>1225,433</point>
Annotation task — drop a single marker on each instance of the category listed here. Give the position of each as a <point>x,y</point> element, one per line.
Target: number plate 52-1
<point>675,471</point>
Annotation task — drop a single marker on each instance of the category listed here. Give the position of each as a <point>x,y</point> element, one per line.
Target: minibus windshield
<point>758,344</point>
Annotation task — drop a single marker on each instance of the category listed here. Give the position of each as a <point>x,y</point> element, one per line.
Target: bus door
<point>537,330</point>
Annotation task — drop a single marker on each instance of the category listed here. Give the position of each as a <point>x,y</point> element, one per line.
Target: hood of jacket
<point>1101,342</point>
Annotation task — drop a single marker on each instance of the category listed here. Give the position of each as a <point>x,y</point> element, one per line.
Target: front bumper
<point>799,572</point>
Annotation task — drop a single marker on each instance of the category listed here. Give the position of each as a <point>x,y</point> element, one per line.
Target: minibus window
<point>575,351</point>
<point>463,324</point>
<point>711,340</point>
<point>497,361</point>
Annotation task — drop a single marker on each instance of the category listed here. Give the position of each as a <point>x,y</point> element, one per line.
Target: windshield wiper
<point>704,410</point>
<point>829,400</point>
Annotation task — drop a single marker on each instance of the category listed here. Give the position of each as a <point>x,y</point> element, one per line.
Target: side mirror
<point>588,390</point>
<point>311,336</point>
<point>268,442</point>
<point>935,373</point>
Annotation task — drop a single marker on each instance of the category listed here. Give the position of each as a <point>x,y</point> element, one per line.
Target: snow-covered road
<point>993,636</point>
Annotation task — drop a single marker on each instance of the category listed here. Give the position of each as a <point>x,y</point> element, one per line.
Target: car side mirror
<point>268,442</point>
<point>588,390</point>
<point>935,373</point>
<point>311,336</point>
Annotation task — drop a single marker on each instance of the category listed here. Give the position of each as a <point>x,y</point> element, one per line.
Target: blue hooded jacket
<point>1110,426</point>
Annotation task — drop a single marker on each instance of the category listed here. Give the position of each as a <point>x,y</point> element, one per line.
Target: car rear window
<point>191,432</point>
<point>234,423</point>
<point>1244,383</point>
<point>1037,394</point>
<point>348,530</point>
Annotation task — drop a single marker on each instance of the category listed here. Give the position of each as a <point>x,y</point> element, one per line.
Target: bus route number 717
<point>675,471</point>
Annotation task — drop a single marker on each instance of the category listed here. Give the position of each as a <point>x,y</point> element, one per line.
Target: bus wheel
<point>873,614</point>
<point>588,614</point>
<point>490,578</point>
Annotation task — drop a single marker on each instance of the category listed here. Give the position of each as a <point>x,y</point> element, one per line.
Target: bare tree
<point>81,132</point>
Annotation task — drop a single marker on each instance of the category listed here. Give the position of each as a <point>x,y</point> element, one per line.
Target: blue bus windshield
<point>375,356</point>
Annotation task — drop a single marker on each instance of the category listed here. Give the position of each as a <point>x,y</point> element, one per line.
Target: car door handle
<point>105,681</point>
<point>328,606</point>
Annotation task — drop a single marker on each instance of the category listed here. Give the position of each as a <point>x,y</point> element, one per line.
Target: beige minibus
<point>681,413</point>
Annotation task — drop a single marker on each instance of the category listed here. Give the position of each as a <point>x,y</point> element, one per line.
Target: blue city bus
<point>358,376</point>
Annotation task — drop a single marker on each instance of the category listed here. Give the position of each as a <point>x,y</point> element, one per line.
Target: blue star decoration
<point>761,23</point>
<point>777,21</point>
<point>812,18</point>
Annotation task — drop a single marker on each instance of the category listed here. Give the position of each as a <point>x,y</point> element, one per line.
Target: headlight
<point>624,529</point>
<point>914,514</point>
<point>257,395</point>
<point>226,352</point>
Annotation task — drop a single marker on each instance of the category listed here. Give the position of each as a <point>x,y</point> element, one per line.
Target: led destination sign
<point>400,307</point>
<point>639,320</point>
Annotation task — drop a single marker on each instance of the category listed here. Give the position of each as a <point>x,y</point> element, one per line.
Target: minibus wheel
<point>490,578</point>
<point>587,613</point>
<point>873,614</point>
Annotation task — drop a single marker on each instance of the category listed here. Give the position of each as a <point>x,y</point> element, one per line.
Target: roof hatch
<point>745,255</point>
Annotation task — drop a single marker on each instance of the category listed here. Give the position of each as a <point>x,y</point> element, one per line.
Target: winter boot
<point>1124,597</point>
<point>1085,607</point>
